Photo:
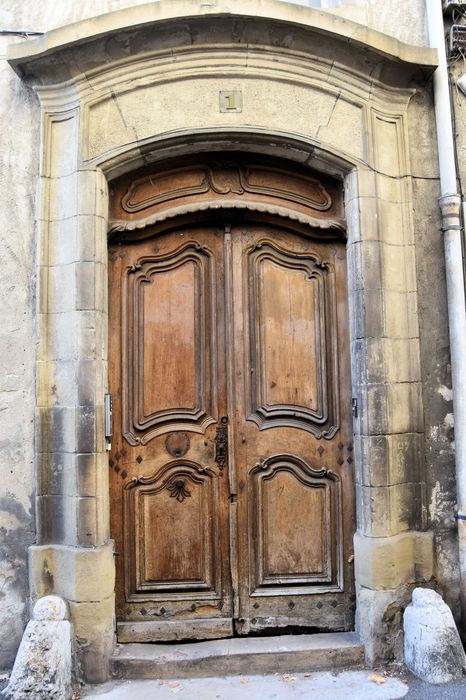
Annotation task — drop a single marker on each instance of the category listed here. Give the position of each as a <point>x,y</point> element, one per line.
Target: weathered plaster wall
<point>403,20</point>
<point>19,140</point>
<point>434,347</point>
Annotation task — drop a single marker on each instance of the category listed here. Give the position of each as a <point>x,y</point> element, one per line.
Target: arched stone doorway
<point>143,87</point>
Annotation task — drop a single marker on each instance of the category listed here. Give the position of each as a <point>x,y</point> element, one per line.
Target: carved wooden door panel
<point>292,467</point>
<point>232,495</point>
<point>169,498</point>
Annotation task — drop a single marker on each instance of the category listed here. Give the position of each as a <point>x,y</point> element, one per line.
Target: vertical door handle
<point>221,443</point>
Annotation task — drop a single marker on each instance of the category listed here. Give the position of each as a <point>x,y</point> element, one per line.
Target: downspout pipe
<point>450,207</point>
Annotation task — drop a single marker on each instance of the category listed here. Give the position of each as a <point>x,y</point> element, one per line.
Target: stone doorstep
<point>238,656</point>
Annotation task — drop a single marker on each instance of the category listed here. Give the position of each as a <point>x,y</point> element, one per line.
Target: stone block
<point>88,532</point>
<point>351,189</point>
<point>398,268</point>
<point>389,510</point>
<point>56,519</point>
<point>384,460</point>
<point>42,668</point>
<point>395,228</point>
<point>86,237</point>
<point>391,408</point>
<point>383,563</point>
<point>353,223</point>
<point>77,574</point>
<point>85,286</point>
<point>57,429</point>
<point>90,325</point>
<point>366,260</point>
<point>373,410</point>
<point>402,360</point>
<point>369,222</point>
<point>62,242</point>
<point>88,391</point>
<point>86,429</point>
<point>56,474</point>
<point>366,313</point>
<point>63,197</point>
<point>405,408</point>
<point>94,626</point>
<point>374,350</point>
<point>86,474</point>
<point>61,339</point>
<point>379,623</point>
<point>432,645</point>
<point>400,314</point>
<point>56,383</point>
<point>390,188</point>
<point>101,287</point>
<point>61,158</point>
<point>366,183</point>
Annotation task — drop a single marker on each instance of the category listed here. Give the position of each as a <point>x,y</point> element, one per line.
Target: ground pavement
<point>344,685</point>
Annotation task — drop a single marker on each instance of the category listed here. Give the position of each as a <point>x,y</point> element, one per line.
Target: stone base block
<point>42,669</point>
<point>379,623</point>
<point>432,646</point>
<point>84,577</point>
<point>384,563</point>
<point>94,625</point>
<point>75,573</point>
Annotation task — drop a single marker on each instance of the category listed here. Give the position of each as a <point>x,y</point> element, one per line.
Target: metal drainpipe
<point>450,206</point>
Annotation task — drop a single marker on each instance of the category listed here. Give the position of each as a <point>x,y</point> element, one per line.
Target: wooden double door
<point>232,502</point>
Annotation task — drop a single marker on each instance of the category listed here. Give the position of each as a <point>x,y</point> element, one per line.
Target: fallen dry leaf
<point>244,680</point>
<point>288,678</point>
<point>75,696</point>
<point>376,679</point>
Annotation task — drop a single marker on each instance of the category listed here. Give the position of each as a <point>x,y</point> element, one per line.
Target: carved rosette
<point>178,490</point>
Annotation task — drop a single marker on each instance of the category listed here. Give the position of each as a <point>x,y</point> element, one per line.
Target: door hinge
<point>354,407</point>
<point>108,411</point>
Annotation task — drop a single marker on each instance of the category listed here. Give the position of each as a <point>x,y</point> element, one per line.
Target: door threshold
<point>238,656</point>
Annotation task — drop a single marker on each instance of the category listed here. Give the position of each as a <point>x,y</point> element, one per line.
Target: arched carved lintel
<point>336,226</point>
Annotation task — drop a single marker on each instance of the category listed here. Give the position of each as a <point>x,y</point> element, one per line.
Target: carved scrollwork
<point>241,184</point>
<point>157,189</point>
<point>135,229</point>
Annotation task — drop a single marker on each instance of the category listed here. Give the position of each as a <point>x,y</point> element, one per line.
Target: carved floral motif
<point>178,490</point>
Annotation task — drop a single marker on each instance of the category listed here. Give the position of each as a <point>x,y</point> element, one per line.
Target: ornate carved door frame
<point>247,189</point>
